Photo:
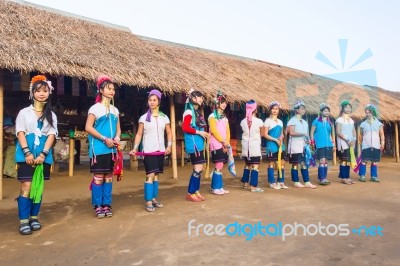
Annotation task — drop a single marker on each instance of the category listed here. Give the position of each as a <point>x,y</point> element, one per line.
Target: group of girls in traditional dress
<point>36,130</point>
<point>321,139</point>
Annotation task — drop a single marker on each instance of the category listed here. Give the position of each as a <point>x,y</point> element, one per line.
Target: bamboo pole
<point>71,156</point>
<point>183,153</point>
<point>1,131</point>
<point>173,129</point>
<point>358,141</point>
<point>396,135</point>
<point>334,143</point>
<point>394,141</point>
<point>134,163</point>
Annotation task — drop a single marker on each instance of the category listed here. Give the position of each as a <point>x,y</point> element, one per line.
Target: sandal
<point>150,208</point>
<point>35,225</point>
<point>324,182</point>
<point>98,212</point>
<point>245,186</point>
<point>257,190</point>
<point>347,181</point>
<point>25,229</point>
<point>283,186</point>
<point>200,196</point>
<point>192,197</point>
<point>157,204</point>
<point>107,211</point>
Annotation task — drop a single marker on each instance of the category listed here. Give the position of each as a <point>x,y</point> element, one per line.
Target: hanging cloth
<point>37,185</point>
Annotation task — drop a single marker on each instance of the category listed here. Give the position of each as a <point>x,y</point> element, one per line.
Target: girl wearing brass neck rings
<point>323,139</point>
<point>36,129</point>
<point>298,138</point>
<point>346,138</point>
<point>152,127</point>
<point>195,136</point>
<point>219,142</point>
<point>104,130</point>
<point>372,139</point>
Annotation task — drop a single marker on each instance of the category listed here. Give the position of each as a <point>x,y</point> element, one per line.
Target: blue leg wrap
<point>295,175</point>
<point>217,178</point>
<point>246,175</point>
<point>24,207</point>
<point>363,170</point>
<point>347,171</point>
<point>155,189</point>
<point>148,191</point>
<point>194,182</point>
<point>321,172</point>
<point>281,179</point>
<point>305,175</point>
<point>254,178</point>
<point>270,174</point>
<point>107,193</point>
<point>374,170</point>
<point>342,171</point>
<point>97,194</point>
<point>35,208</point>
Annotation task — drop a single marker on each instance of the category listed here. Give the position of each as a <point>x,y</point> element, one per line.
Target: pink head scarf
<point>251,106</point>
<point>100,80</point>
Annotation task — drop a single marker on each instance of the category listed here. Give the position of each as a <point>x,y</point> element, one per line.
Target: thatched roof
<point>38,40</point>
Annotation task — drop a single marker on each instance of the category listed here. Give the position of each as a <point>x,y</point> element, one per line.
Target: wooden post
<point>394,141</point>
<point>358,141</point>
<point>334,157</point>
<point>183,152</point>
<point>396,135</point>
<point>334,143</point>
<point>173,129</point>
<point>1,131</point>
<point>71,156</point>
<point>134,163</point>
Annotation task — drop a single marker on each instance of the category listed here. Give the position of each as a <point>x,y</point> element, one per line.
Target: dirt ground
<point>71,235</point>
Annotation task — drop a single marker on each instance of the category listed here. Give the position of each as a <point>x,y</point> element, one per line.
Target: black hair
<point>195,94</point>
<point>222,100</point>
<point>47,113</point>
<point>272,106</point>
<point>104,84</point>
<point>342,109</point>
<point>191,96</point>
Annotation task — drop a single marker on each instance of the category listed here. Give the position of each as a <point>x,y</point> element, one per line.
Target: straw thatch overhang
<point>33,39</point>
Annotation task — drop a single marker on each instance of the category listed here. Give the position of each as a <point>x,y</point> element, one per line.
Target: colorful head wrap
<point>102,79</point>
<point>273,104</point>
<point>298,103</point>
<point>322,107</point>
<point>372,108</point>
<point>344,103</point>
<point>39,78</point>
<point>216,102</point>
<point>251,106</point>
<point>197,118</point>
<point>156,93</point>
